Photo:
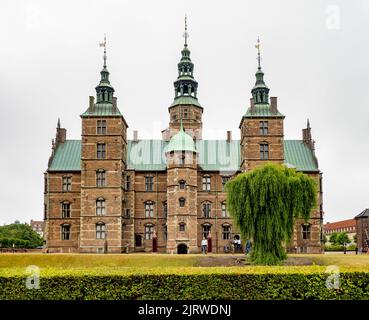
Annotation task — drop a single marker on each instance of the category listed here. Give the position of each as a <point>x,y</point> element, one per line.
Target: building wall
<point>362,231</point>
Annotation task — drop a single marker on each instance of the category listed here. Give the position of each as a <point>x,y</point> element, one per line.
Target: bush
<point>197,285</point>
<point>334,247</point>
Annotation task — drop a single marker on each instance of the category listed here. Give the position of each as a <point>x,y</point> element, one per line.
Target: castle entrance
<point>182,249</point>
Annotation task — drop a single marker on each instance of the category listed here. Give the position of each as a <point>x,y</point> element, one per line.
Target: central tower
<point>185,106</point>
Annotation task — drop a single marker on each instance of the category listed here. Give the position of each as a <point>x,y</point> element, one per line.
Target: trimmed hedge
<point>208,286</point>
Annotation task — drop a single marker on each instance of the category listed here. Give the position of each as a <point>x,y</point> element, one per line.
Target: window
<point>101,150</point>
<point>206,209</point>
<point>65,232</point>
<point>206,230</point>
<point>165,232</point>
<point>263,126</point>
<point>149,231</point>
<point>182,184</point>
<point>225,179</point>
<point>128,213</point>
<point>165,209</point>
<point>149,209</point>
<point>182,159</point>
<point>264,151</point>
<point>306,231</point>
<point>100,178</point>
<point>67,183</point>
<point>100,230</point>
<point>100,207</point>
<point>182,202</point>
<point>101,127</point>
<point>182,227</point>
<point>224,210</point>
<point>149,183</point>
<point>185,113</point>
<point>65,209</point>
<point>226,232</point>
<point>206,183</point>
<point>128,183</point>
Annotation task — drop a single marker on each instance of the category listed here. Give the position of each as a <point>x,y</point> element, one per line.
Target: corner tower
<point>103,163</point>
<point>261,127</point>
<point>185,105</point>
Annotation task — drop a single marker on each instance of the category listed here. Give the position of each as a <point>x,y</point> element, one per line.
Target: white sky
<point>315,59</point>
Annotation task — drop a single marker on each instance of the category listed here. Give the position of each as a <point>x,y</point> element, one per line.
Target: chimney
<point>114,104</point>
<point>92,102</point>
<point>61,134</point>
<point>229,136</point>
<point>135,136</point>
<point>273,105</point>
<point>165,134</point>
<point>252,104</point>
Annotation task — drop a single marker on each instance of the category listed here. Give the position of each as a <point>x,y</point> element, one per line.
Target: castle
<point>105,193</point>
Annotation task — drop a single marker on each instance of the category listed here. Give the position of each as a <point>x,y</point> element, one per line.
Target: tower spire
<point>185,34</point>
<point>103,44</point>
<point>257,46</point>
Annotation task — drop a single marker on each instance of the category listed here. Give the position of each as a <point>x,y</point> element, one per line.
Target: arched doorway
<point>138,240</point>
<point>182,249</point>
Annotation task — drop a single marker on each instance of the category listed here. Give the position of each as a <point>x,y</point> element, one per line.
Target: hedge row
<point>353,285</point>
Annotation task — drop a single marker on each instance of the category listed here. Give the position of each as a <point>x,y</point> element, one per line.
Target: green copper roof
<point>213,155</point>
<point>298,155</point>
<point>67,156</point>
<point>262,110</point>
<point>183,100</point>
<point>181,141</point>
<point>102,109</point>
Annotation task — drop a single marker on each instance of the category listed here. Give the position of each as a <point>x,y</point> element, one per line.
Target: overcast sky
<point>314,55</point>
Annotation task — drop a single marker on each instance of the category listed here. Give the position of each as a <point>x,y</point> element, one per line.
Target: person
<point>204,245</point>
<point>248,247</point>
<point>356,250</point>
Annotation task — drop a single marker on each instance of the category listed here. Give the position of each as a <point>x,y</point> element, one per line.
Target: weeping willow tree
<point>265,202</point>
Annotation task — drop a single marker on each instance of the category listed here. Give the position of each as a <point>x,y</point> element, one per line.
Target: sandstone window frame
<point>223,205</point>
<point>182,202</point>
<point>225,179</point>
<point>264,127</point>
<point>206,209</point>
<point>100,206</point>
<point>182,184</point>
<point>206,182</point>
<point>101,150</point>
<point>149,231</point>
<point>65,209</point>
<point>67,183</point>
<point>306,231</point>
<point>101,126</point>
<point>100,178</point>
<point>100,228</point>
<point>264,150</point>
<point>149,208</point>
<point>149,183</point>
<point>206,229</point>
<point>182,227</point>
<point>65,229</point>
<point>226,231</point>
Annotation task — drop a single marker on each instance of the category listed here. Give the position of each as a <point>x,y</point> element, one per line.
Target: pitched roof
<point>363,214</point>
<point>262,111</point>
<point>299,155</point>
<point>102,109</point>
<point>339,225</point>
<point>189,100</point>
<point>213,155</point>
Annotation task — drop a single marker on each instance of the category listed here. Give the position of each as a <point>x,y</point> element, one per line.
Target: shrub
<point>184,285</point>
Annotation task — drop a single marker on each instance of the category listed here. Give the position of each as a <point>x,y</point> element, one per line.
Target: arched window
<point>182,184</point>
<point>65,232</point>
<point>206,209</point>
<point>100,230</point>
<point>182,227</point>
<point>100,206</point>
<point>100,178</point>
<point>65,207</point>
<point>149,209</point>
<point>182,202</point>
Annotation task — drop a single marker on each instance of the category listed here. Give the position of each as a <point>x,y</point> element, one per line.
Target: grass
<point>16,264</point>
